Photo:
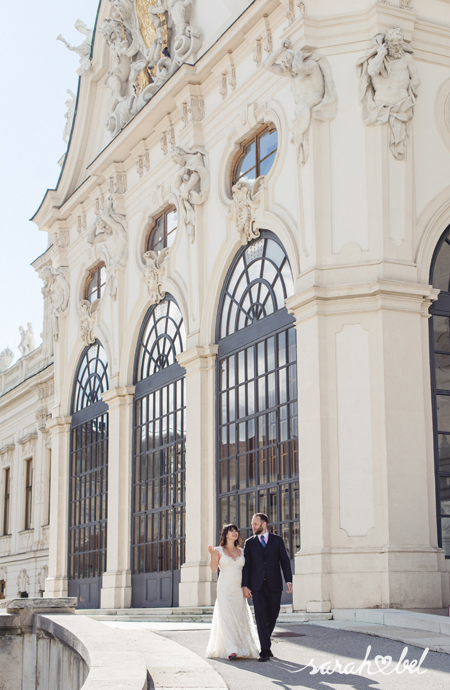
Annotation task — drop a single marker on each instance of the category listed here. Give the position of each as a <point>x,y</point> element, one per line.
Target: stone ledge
<point>38,604</point>
<point>398,618</point>
<point>114,662</point>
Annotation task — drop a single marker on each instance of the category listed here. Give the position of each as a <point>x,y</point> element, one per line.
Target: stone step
<point>201,614</point>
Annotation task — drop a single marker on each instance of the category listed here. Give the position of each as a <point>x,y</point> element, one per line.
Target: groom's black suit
<point>262,575</point>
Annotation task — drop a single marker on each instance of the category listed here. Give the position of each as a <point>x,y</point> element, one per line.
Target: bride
<point>233,632</point>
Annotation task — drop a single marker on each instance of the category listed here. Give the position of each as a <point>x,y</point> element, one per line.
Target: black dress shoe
<point>264,657</point>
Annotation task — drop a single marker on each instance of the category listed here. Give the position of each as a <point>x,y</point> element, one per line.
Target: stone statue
<point>26,340</point>
<point>57,290</point>
<point>245,206</point>
<point>84,50</point>
<point>191,183</point>
<point>110,230</point>
<point>187,39</point>
<point>87,321</point>
<point>70,114</point>
<point>313,89</point>
<point>6,357</point>
<point>154,273</point>
<point>388,83</point>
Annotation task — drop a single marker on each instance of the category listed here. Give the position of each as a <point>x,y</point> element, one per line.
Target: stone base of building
<point>56,587</point>
<point>116,590</point>
<point>197,586</point>
<point>415,579</point>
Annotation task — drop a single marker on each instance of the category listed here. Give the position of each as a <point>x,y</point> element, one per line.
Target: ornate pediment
<point>149,40</point>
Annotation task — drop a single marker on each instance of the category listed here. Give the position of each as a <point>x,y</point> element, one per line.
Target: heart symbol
<point>382,662</point>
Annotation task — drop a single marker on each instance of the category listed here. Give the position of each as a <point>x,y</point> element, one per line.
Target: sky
<point>37,71</point>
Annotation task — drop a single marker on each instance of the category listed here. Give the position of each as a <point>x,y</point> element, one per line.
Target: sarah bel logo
<point>380,664</point>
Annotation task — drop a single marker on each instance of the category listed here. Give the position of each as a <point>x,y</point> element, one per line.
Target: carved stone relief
<point>388,83</point>
<point>191,184</point>
<point>192,110</point>
<point>28,444</point>
<point>87,322</point>
<point>41,578</point>
<point>312,87</point>
<point>154,272</point>
<point>148,40</point>
<point>143,163</point>
<point>23,582</point>
<point>245,205</point>
<point>81,222</point>
<point>7,455</point>
<point>45,390</point>
<point>70,114</point>
<point>6,357</point>
<point>118,183</point>
<point>168,139</point>
<point>109,235</point>
<point>84,49</point>
<point>57,290</point>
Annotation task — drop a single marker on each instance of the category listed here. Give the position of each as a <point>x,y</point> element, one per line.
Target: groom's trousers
<point>267,608</point>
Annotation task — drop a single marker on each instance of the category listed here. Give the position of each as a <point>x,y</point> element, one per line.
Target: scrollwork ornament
<point>87,322</point>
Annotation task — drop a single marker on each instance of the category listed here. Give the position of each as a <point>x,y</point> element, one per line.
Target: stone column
<point>57,582</point>
<point>367,501</point>
<point>116,587</point>
<point>197,586</point>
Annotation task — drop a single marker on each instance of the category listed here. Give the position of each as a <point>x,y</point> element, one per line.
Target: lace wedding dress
<point>233,630</point>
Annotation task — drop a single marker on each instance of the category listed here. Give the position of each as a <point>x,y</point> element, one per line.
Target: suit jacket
<point>263,563</point>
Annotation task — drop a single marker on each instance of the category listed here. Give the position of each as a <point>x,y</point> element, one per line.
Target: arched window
<point>256,156</point>
<point>88,485</point>
<point>257,418</point>
<point>158,513</point>
<point>440,378</point>
<point>163,231</point>
<point>95,284</point>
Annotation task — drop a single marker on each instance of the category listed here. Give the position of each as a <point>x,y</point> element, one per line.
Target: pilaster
<point>116,586</point>
<point>197,587</point>
<point>57,582</point>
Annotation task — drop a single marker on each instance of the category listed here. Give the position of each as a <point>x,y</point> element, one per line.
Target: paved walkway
<point>175,655</point>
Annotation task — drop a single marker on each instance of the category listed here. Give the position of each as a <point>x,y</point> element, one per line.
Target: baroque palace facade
<point>246,308</point>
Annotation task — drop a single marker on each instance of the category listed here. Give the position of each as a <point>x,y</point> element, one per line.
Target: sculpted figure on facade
<point>313,88</point>
<point>57,290</point>
<point>245,205</point>
<point>111,231</point>
<point>84,49</point>
<point>191,183</point>
<point>149,39</point>
<point>388,83</point>
<point>87,322</point>
<point>6,357</point>
<point>70,114</point>
<point>153,274</point>
<point>27,343</point>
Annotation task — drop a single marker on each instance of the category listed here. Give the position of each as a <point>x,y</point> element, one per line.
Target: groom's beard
<point>260,530</point>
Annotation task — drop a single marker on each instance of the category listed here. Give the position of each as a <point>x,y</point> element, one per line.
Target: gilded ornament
<point>148,29</point>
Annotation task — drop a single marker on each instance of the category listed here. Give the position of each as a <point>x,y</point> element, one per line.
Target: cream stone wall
<point>359,228</point>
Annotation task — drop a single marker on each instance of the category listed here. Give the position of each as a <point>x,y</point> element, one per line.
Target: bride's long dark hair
<point>224,532</point>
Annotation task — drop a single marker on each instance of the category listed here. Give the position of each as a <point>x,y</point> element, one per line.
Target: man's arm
<point>285,564</point>
<point>270,62</point>
<point>246,570</point>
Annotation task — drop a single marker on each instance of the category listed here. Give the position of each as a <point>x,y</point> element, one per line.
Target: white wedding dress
<point>233,630</point>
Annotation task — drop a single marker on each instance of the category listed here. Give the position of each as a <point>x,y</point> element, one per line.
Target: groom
<point>261,578</point>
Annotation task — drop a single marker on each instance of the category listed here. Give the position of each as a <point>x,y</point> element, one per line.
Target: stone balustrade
<point>44,646</point>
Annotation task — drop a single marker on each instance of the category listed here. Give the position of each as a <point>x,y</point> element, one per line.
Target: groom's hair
<point>263,517</point>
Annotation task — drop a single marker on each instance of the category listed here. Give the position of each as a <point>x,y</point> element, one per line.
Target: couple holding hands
<point>253,571</point>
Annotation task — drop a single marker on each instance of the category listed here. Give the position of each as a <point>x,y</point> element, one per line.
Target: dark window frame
<point>98,381</point>
<point>28,493</point>
<point>255,137</point>
<point>232,346</point>
<point>149,246</point>
<point>168,383</point>
<point>6,501</point>
<point>439,308</point>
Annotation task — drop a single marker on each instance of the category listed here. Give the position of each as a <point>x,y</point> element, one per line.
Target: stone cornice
<point>116,397</point>
<point>28,438</point>
<point>9,448</point>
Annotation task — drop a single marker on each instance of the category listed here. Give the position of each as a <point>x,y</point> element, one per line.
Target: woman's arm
<point>215,558</point>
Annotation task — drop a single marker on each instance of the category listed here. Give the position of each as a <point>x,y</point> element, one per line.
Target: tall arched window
<point>158,517</point>
<point>257,419</point>
<point>88,485</point>
<point>440,380</point>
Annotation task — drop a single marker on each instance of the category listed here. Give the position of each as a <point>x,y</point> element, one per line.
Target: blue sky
<point>37,71</point>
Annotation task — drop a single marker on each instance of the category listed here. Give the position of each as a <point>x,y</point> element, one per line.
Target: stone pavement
<point>182,663</point>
